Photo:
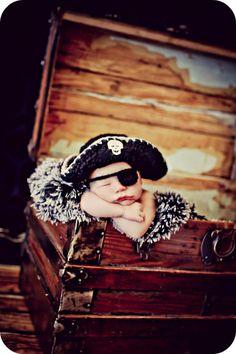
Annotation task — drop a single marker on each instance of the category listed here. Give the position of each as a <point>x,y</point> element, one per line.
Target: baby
<point>105,181</point>
<point>115,191</point>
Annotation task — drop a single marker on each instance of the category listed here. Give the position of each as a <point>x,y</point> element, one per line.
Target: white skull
<point>115,146</point>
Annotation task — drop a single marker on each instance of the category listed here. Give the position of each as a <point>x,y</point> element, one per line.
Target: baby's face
<point>110,189</point>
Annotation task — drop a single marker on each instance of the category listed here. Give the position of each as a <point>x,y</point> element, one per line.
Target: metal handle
<point>218,245</point>
<point>224,242</point>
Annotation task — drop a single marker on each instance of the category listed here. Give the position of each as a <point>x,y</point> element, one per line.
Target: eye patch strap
<point>120,175</point>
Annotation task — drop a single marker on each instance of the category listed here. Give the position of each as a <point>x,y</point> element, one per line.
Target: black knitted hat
<point>110,148</point>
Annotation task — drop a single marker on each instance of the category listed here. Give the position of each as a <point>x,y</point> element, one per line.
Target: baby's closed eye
<point>105,184</point>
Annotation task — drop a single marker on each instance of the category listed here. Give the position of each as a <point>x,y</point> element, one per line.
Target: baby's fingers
<point>141,217</point>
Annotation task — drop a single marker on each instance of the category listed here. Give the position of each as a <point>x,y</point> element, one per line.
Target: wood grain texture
<point>12,302</point>
<point>147,303</point>
<point>138,90</point>
<point>22,343</point>
<point>102,51</point>
<point>146,34</point>
<point>41,305</point>
<point>66,132</point>
<point>177,343</point>
<point>182,251</point>
<point>180,100</point>
<point>142,111</point>
<point>16,321</point>
<point>41,104</point>
<point>9,279</point>
<point>17,330</point>
<point>57,235</point>
<point>149,278</point>
<point>50,271</point>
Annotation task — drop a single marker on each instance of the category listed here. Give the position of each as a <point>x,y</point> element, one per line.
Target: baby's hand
<point>133,212</point>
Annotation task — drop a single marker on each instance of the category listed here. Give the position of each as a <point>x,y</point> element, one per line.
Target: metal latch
<point>218,245</point>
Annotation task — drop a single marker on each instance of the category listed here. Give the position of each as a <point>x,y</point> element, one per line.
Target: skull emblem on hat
<point>115,146</point>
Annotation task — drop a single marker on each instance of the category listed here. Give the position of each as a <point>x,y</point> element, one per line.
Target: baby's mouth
<point>122,199</point>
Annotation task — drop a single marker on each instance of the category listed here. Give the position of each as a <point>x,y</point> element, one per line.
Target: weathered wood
<point>12,302</point>
<point>182,251</point>
<point>22,343</point>
<point>127,334</point>
<point>182,101</point>
<point>197,343</point>
<point>56,241</point>
<point>213,153</point>
<point>86,287</point>
<point>9,279</point>
<point>213,197</point>
<point>41,305</point>
<point>122,56</point>
<point>119,87</point>
<point>16,321</point>
<point>147,303</point>
<point>140,32</point>
<point>108,325</point>
<point>41,105</point>
<point>148,278</point>
<point>49,271</point>
<point>140,111</point>
<point>17,330</point>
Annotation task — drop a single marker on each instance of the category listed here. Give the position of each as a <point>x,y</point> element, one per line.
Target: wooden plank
<point>140,32</point>
<point>141,112</point>
<point>129,89</point>
<point>50,272</point>
<point>146,278</point>
<point>56,239</point>
<point>9,279</point>
<point>182,251</point>
<point>213,197</point>
<point>174,344</point>
<point>22,343</point>
<point>147,303</point>
<point>48,67</point>
<point>16,321</point>
<point>12,302</point>
<point>126,333</point>
<point>64,133</point>
<point>140,60</point>
<point>225,304</point>
<point>42,307</point>
<point>170,344</point>
<point>130,325</point>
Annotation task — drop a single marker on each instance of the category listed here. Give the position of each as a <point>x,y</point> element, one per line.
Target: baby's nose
<point>118,187</point>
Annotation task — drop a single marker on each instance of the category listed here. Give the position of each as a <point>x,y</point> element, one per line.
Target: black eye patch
<point>126,177</point>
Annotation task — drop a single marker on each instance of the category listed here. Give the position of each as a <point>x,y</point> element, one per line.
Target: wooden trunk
<point>88,289</point>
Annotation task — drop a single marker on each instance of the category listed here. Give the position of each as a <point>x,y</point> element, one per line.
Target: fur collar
<point>172,211</point>
<point>54,198</point>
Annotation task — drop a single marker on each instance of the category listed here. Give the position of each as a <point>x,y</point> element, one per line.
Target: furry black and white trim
<point>172,211</point>
<point>54,198</point>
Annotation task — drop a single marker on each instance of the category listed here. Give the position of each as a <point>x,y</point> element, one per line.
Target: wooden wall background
<point>180,99</point>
